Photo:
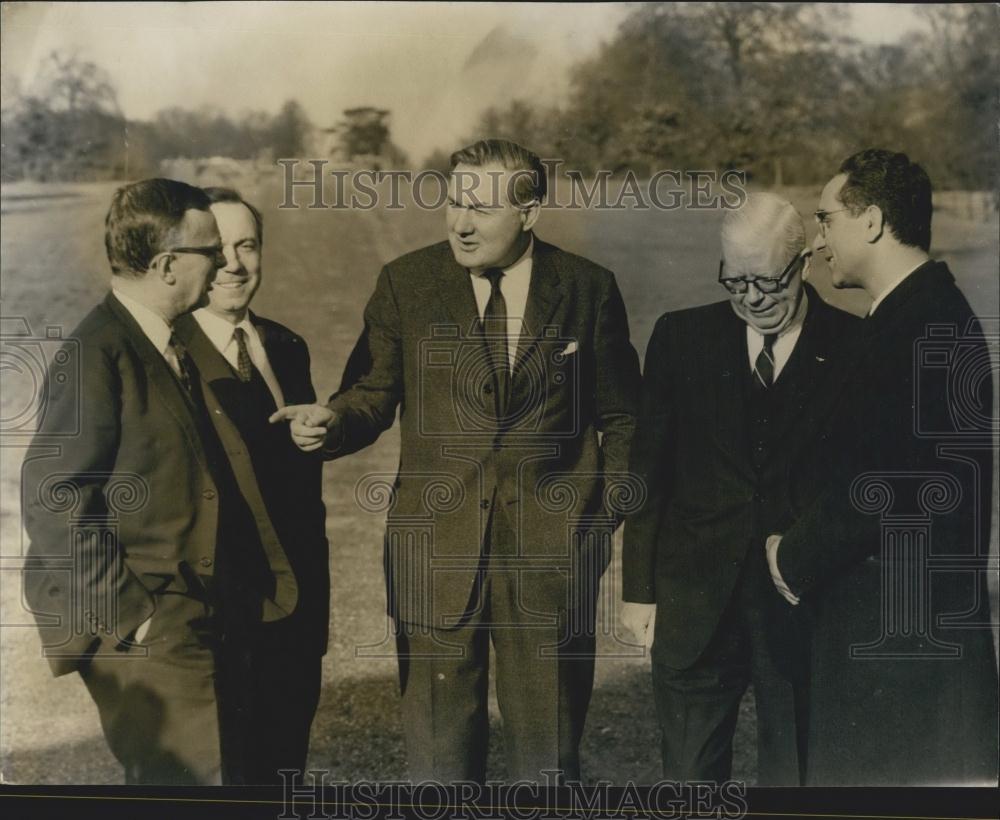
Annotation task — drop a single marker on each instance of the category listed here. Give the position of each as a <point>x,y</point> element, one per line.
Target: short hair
<point>900,188</point>
<point>219,194</point>
<point>769,217</point>
<point>528,188</point>
<point>141,218</point>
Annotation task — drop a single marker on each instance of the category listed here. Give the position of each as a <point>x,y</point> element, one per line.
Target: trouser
<point>544,679</point>
<point>268,700</point>
<point>158,701</point>
<point>698,706</point>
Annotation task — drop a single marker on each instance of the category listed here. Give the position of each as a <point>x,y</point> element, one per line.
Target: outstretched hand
<point>309,424</point>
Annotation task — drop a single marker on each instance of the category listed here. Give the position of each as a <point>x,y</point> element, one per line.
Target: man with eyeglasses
<point>732,392</point>
<point>150,546</point>
<point>891,559</point>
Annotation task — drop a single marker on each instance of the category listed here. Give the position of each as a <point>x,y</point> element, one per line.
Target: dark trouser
<point>157,701</point>
<point>698,706</point>
<point>268,699</point>
<point>544,679</point>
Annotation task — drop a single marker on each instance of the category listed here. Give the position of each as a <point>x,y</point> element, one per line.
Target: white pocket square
<point>570,348</point>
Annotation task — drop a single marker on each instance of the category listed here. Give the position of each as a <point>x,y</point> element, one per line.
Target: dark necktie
<point>495,325</point>
<point>183,363</point>
<point>244,365</point>
<point>764,367</point>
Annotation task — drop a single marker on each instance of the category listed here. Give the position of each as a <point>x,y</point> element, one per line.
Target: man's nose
<point>230,260</point>
<point>754,296</point>
<point>463,223</point>
<point>819,241</point>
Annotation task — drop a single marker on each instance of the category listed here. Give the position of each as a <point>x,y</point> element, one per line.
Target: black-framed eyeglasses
<point>765,284</point>
<point>211,251</point>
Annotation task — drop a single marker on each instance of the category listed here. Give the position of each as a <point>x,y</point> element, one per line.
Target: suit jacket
<point>137,477</point>
<point>291,481</point>
<point>910,461</point>
<point>551,464</point>
<point>707,504</point>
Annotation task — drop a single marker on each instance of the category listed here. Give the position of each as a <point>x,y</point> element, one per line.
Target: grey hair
<point>765,217</point>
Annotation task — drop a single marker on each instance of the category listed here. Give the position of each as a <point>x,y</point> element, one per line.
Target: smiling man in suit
<point>254,366</point>
<point>151,550</point>
<point>511,364</point>
<point>733,393</point>
<point>892,558</point>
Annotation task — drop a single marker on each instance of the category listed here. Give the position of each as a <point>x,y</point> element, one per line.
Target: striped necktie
<point>763,368</point>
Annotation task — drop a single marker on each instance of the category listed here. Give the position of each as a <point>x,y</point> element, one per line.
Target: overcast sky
<point>434,65</point>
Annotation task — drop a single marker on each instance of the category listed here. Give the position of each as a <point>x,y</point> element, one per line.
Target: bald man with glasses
<point>732,396</point>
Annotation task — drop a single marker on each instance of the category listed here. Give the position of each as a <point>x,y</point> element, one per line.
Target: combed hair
<point>528,188</point>
<point>219,194</point>
<point>141,218</point>
<point>766,215</point>
<point>899,187</point>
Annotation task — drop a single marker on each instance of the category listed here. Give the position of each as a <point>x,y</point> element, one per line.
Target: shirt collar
<point>150,322</point>
<point>892,286</point>
<point>219,330</point>
<point>522,267</point>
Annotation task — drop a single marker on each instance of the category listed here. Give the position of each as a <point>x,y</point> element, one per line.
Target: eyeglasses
<point>765,284</point>
<point>823,218</point>
<point>211,251</point>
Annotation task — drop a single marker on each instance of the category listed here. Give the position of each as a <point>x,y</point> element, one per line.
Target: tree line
<point>775,90</point>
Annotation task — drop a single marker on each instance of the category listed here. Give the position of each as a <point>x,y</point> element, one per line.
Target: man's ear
<point>161,266</point>
<point>806,267</point>
<point>874,223</point>
<point>530,214</point>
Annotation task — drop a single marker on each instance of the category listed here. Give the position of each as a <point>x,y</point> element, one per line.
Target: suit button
<point>485,503</point>
<point>209,494</point>
<point>206,562</point>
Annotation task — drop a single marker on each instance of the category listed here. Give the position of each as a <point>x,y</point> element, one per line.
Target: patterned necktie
<point>244,365</point>
<point>763,368</point>
<point>183,362</point>
<point>495,324</point>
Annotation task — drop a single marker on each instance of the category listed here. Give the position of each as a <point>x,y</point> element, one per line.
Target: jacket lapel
<point>544,295</point>
<point>160,376</point>
<point>455,291</point>
<point>732,389</point>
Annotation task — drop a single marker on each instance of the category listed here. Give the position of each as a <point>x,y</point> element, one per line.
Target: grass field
<point>320,267</point>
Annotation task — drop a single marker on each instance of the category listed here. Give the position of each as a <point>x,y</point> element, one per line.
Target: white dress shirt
<point>153,326</point>
<point>784,344</point>
<point>514,286</point>
<point>222,334</point>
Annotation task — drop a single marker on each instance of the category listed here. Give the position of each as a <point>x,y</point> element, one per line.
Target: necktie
<point>244,365</point>
<point>495,324</point>
<point>183,362</point>
<point>764,366</point>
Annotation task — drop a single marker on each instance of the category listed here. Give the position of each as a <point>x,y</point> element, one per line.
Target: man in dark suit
<point>150,548</point>
<point>732,392</point>
<point>891,559</point>
<point>511,364</point>
<point>254,366</point>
